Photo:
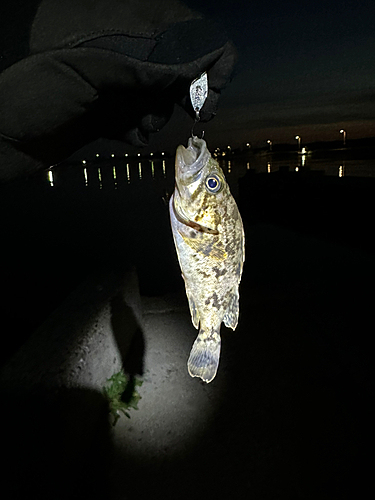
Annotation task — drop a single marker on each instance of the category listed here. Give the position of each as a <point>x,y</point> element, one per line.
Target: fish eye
<point>213,183</point>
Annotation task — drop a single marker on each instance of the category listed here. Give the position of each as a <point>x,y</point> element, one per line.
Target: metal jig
<point>198,95</point>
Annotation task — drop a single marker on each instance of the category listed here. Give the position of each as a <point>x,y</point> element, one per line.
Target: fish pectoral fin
<point>232,313</point>
<point>193,310</point>
<point>213,248</point>
<point>216,251</point>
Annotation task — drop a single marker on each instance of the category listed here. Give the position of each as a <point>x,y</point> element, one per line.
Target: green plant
<point>122,394</point>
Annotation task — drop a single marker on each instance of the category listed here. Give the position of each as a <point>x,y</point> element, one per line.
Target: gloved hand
<point>105,68</point>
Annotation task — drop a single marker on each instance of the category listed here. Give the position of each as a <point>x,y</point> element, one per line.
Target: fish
<point>209,239</point>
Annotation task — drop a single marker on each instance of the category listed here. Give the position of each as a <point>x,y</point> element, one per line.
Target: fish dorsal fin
<point>231,314</point>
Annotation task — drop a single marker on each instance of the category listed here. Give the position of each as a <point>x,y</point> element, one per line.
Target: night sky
<point>304,68</point>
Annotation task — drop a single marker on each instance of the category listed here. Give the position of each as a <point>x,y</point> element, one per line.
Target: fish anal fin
<point>193,310</point>
<point>233,310</point>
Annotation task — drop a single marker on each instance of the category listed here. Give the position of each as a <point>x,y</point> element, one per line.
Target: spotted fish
<point>209,239</point>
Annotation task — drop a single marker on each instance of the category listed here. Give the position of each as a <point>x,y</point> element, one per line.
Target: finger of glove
<point>39,94</point>
<point>164,32</point>
<point>220,73</point>
<point>60,24</point>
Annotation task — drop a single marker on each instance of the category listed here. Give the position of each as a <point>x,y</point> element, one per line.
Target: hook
<point>197,119</point>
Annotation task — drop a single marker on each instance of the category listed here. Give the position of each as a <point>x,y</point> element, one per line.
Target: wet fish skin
<point>209,239</point>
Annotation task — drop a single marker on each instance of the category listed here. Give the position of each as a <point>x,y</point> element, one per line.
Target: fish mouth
<point>189,164</point>
<point>192,159</point>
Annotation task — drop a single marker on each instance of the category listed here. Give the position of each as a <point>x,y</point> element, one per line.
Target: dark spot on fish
<point>219,272</point>
<point>235,213</point>
<point>193,234</point>
<point>214,299</point>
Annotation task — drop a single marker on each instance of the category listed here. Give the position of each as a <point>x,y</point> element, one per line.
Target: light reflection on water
<point>338,167</point>
<point>110,175</point>
<point>120,174</point>
<point>50,177</point>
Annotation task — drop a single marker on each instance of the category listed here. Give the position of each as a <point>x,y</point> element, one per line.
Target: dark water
<point>118,172</point>
<point>327,193</point>
<point>336,163</point>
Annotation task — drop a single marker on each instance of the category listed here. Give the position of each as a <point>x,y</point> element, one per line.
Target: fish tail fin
<point>204,356</point>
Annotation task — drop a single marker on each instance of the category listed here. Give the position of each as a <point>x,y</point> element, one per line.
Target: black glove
<point>105,68</point>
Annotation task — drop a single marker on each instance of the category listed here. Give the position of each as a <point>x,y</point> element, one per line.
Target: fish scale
<point>209,239</point>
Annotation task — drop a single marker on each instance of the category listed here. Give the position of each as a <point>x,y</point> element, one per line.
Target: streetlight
<point>270,143</point>
<point>298,138</point>
<point>342,131</point>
